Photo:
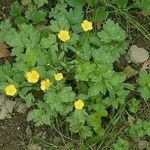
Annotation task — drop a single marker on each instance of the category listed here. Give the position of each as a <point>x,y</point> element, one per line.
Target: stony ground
<point>14,133</point>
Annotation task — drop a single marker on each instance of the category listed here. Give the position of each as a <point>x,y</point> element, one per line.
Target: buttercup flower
<point>86,25</point>
<point>10,90</point>
<point>64,35</point>
<point>58,76</point>
<point>79,104</point>
<point>32,76</point>
<point>45,84</point>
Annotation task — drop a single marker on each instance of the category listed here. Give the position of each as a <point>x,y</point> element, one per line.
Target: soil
<point>13,134</point>
<point>4,8</point>
<point>12,130</point>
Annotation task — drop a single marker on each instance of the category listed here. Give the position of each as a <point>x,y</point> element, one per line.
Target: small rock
<point>22,108</point>
<point>3,8</point>
<point>10,106</point>
<point>127,58</point>
<point>18,128</point>
<point>2,99</point>
<point>138,55</point>
<point>29,132</point>
<point>143,145</point>
<point>4,15</point>
<point>3,113</point>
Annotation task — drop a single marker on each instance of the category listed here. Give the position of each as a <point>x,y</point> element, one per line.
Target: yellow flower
<point>87,25</point>
<point>64,35</point>
<point>45,84</point>
<point>79,104</point>
<point>10,90</point>
<point>32,76</point>
<point>58,76</point>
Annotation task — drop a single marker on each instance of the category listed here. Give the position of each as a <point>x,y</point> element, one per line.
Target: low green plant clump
<point>140,128</point>
<point>65,67</point>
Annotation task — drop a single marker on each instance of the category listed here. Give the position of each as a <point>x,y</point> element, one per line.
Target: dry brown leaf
<point>28,132</point>
<point>25,2</point>
<point>146,65</point>
<point>4,52</point>
<point>98,25</point>
<point>131,119</point>
<point>129,71</point>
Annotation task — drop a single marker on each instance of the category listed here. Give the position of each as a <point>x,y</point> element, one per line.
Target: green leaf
<point>42,71</point>
<point>66,95</point>
<point>102,55</point>
<point>117,79</point>
<point>93,39</point>
<point>48,42</point>
<point>111,32</point>
<point>85,53</point>
<point>144,85</point>
<point>134,105</point>
<point>75,16</point>
<point>82,87</point>
<point>30,57</point>
<point>54,26</point>
<point>75,3</point>
<point>140,128</point>
<point>15,9</point>
<point>9,35</point>
<point>94,120</point>
<point>122,3</point>
<point>83,70</point>
<point>53,51</point>
<point>59,99</point>
<point>40,116</point>
<point>77,120</point>
<point>20,20</point>
<point>145,93</point>
<point>28,97</point>
<point>40,3</point>
<point>94,90</point>
<point>86,132</point>
<point>63,23</point>
<point>29,36</point>
<point>121,144</point>
<point>101,14</point>
<point>35,15</point>
<point>5,30</point>
<point>59,10</point>
<point>19,77</point>
<point>5,71</point>
<point>144,5</point>
<point>100,109</point>
<point>42,58</point>
<point>92,2</point>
